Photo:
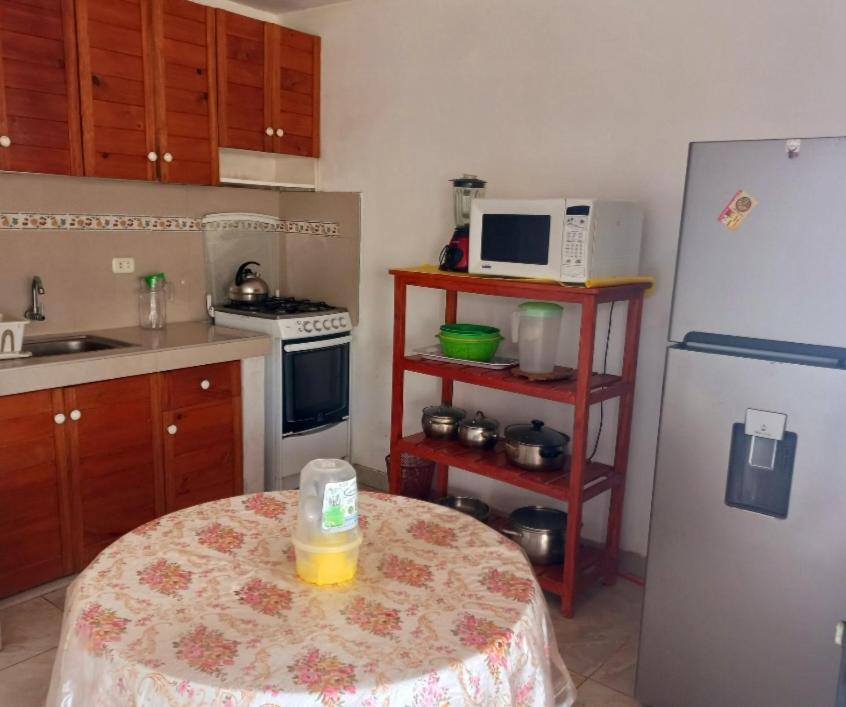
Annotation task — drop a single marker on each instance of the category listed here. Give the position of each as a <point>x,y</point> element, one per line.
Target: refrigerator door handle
<point>840,640</point>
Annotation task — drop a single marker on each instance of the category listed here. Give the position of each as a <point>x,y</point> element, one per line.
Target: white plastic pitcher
<point>534,328</point>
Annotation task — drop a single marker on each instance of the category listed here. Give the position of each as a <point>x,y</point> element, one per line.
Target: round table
<point>204,607</point>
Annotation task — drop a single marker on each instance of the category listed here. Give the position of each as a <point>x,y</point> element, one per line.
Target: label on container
<point>340,506</point>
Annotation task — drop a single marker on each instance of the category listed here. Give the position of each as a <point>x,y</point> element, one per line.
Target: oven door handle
<point>314,430</point>
<point>314,345</point>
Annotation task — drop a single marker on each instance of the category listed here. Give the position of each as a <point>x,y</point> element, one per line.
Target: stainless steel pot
<point>540,532</point>
<point>248,286</point>
<point>441,421</point>
<point>467,505</point>
<point>535,447</point>
<point>480,432</point>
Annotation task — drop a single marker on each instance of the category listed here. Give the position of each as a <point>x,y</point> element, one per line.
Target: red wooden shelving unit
<point>581,479</point>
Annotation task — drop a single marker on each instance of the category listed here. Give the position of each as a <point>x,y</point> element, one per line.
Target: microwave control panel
<point>574,257</point>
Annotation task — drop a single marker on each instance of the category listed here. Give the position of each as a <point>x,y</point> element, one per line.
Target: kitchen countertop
<point>178,345</point>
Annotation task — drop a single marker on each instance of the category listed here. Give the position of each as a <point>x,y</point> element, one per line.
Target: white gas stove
<point>307,381</point>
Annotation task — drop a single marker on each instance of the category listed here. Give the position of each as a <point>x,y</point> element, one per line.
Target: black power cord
<point>604,371</point>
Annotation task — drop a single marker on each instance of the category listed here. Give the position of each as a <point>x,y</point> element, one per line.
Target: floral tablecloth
<point>203,607</point>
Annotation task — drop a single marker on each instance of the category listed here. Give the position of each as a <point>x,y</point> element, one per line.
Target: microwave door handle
<point>314,345</point>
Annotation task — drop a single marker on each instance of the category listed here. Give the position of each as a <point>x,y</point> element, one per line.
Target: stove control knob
<point>307,326</point>
<point>334,322</point>
<point>318,325</point>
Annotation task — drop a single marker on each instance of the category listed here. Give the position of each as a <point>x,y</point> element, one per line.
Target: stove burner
<point>281,305</point>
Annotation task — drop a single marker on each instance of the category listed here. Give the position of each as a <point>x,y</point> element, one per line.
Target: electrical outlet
<point>123,266</point>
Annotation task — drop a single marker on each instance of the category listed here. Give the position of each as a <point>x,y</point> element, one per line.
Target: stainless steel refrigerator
<point>746,571</point>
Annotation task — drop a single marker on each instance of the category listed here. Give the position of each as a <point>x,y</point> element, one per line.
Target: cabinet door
<point>39,92</point>
<point>116,88</point>
<point>35,541</point>
<point>186,91</point>
<point>244,55</point>
<point>203,453</point>
<point>295,88</point>
<point>115,456</point>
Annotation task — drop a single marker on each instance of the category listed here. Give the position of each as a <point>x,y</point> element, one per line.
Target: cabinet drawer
<point>187,387</point>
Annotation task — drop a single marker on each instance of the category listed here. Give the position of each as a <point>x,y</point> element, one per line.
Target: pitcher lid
<point>541,309</point>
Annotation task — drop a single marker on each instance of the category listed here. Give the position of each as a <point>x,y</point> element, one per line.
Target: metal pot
<point>441,421</point>
<point>480,432</point>
<point>540,532</point>
<point>248,286</point>
<point>535,447</point>
<point>468,505</point>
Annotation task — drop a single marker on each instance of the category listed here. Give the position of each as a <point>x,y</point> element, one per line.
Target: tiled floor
<point>599,645</point>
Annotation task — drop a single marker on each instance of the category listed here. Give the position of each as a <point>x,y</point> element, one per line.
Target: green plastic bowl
<point>479,349</point>
<point>470,330</point>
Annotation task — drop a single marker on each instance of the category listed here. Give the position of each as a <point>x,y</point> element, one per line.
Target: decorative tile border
<point>22,221</point>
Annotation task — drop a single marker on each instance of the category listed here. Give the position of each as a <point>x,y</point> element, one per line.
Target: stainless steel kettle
<point>248,286</point>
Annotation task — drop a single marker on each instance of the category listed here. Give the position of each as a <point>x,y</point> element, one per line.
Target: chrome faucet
<point>36,313</point>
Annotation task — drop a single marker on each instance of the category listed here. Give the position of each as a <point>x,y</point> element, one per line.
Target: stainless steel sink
<point>77,343</point>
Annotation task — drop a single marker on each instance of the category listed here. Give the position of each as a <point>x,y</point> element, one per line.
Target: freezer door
<point>740,607</point>
<point>779,274</point>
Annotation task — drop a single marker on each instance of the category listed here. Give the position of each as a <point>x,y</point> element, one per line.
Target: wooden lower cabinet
<point>35,531</point>
<point>202,446</point>
<point>81,466</point>
<point>115,460</point>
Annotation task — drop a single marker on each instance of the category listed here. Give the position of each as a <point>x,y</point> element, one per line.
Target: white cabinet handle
<point>205,384</point>
<point>171,429</point>
<point>280,132</point>
<point>268,131</point>
<point>5,141</point>
<point>59,419</point>
<point>75,415</point>
<point>152,156</point>
<point>167,157</point>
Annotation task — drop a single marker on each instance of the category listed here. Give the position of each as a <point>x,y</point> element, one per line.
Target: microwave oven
<point>568,240</point>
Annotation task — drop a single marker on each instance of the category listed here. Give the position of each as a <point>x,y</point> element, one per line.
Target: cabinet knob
<point>280,132</point>
<point>167,157</point>
<point>152,156</point>
<point>5,141</point>
<point>59,419</point>
<point>268,131</point>
<point>75,415</point>
<point>171,429</point>
<point>205,384</point>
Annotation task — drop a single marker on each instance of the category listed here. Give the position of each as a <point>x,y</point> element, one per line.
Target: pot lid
<point>468,181</point>
<point>541,309</point>
<point>444,413</point>
<point>539,518</point>
<point>480,421</point>
<point>536,435</point>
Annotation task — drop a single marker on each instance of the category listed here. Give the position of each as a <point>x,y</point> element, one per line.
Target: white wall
<point>543,98</point>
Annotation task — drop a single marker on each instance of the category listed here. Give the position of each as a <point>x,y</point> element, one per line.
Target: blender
<point>464,189</point>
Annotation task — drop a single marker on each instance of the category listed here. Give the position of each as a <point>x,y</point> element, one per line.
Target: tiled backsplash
<point>20,221</point>
<point>67,230</point>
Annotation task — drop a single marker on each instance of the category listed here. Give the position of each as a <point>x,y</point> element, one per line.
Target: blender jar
<point>465,189</point>
<point>534,328</point>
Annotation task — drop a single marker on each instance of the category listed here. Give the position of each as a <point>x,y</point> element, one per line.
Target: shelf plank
<point>603,386</point>
<point>495,465</point>
<point>512,287</point>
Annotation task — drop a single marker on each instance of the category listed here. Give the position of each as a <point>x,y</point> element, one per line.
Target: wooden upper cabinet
<point>268,86</point>
<point>116,88</point>
<point>35,536</point>
<point>245,113</point>
<point>114,441</point>
<point>296,92</point>
<point>186,91</point>
<point>39,95</point>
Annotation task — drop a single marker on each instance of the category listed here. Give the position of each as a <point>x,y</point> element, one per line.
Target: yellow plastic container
<point>324,564</point>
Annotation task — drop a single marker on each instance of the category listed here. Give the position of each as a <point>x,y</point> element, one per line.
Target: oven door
<point>315,383</point>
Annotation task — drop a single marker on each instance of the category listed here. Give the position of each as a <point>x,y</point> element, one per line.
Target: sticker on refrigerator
<point>737,209</point>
